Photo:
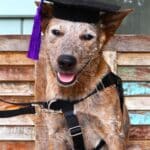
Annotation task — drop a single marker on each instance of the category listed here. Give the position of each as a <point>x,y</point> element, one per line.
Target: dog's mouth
<point>66,78</point>
<point>69,78</point>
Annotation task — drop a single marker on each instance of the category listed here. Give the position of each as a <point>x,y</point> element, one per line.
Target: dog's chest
<point>88,116</point>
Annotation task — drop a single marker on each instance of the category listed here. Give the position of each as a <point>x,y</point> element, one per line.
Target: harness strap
<point>74,128</point>
<point>100,145</point>
<point>20,111</point>
<point>67,108</point>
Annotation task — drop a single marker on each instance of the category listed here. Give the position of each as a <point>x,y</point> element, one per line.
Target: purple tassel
<point>35,41</point>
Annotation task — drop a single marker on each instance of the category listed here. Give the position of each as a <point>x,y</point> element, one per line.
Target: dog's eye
<point>57,32</point>
<point>86,37</point>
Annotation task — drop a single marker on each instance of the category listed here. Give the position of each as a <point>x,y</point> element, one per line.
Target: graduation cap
<point>72,10</point>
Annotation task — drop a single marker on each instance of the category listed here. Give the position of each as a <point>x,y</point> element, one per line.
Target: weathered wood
<point>25,120</point>
<point>137,103</point>
<point>41,128</point>
<point>139,117</point>
<point>139,133</point>
<point>126,43</point>
<point>136,88</point>
<point>17,133</point>
<point>14,43</point>
<point>121,43</point>
<point>40,81</point>
<point>23,145</point>
<point>110,58</point>
<point>16,89</point>
<point>128,73</point>
<point>137,59</point>
<point>15,58</point>
<point>17,99</point>
<point>139,145</point>
<point>17,73</point>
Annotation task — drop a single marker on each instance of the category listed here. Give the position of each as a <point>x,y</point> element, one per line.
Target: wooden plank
<point>139,145</point>
<point>17,133</point>
<point>16,89</point>
<point>24,120</point>
<point>139,133</point>
<point>136,73</point>
<point>14,43</point>
<point>136,88</point>
<point>40,81</point>
<point>23,145</point>
<point>17,73</point>
<point>139,117</point>
<point>17,99</point>
<point>137,59</point>
<point>14,58</point>
<point>126,43</point>
<point>117,43</point>
<point>138,103</point>
<point>110,58</point>
<point>40,93</point>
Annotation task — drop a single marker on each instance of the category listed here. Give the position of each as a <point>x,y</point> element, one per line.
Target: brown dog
<point>74,66</point>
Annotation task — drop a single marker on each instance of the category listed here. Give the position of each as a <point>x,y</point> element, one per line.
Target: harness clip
<point>75,131</point>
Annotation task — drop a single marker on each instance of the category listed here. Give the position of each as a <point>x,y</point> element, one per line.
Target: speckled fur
<point>99,115</point>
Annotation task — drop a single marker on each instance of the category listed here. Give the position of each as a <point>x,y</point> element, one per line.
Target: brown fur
<point>99,115</point>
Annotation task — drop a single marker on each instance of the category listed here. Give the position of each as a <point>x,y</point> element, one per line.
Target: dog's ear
<point>46,14</point>
<point>111,21</point>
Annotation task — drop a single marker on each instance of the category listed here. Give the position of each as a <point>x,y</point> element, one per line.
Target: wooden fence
<point>128,56</point>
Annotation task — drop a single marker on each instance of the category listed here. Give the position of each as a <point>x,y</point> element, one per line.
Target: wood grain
<point>25,120</point>
<point>136,88</point>
<point>120,43</point>
<point>136,59</point>
<point>40,81</point>
<point>24,145</point>
<point>17,133</point>
<point>110,58</point>
<point>14,43</point>
<point>129,43</point>
<point>139,145</point>
<point>18,98</point>
<point>139,133</point>
<point>16,89</point>
<point>17,73</point>
<point>15,58</point>
<point>134,73</point>
<point>138,103</point>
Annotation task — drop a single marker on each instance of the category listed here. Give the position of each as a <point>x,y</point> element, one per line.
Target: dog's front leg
<point>115,142</point>
<point>54,144</point>
<point>114,136</point>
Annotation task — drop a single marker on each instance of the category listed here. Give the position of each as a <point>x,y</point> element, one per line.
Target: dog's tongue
<point>66,78</point>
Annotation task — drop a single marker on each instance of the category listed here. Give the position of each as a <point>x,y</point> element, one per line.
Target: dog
<point>74,66</point>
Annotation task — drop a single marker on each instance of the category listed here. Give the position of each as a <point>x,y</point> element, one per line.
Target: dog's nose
<point>66,62</point>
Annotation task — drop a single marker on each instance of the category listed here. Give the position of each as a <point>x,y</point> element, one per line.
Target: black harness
<point>67,108</point>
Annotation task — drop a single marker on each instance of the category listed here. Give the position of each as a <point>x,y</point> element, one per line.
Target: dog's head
<point>70,46</point>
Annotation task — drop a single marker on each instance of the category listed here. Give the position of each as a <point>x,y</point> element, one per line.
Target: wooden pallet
<point>20,81</point>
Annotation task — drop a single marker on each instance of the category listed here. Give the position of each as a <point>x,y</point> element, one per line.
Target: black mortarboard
<point>73,10</point>
<point>81,10</point>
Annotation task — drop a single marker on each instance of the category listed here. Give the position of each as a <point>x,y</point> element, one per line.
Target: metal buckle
<point>49,103</point>
<point>75,131</point>
<point>102,84</point>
